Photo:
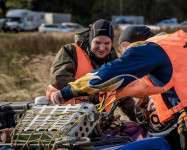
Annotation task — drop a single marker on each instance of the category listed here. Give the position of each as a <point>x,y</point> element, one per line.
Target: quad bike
<point>79,126</point>
<point>72,126</point>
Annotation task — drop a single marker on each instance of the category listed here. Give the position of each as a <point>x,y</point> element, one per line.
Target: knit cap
<point>101,27</point>
<point>135,33</point>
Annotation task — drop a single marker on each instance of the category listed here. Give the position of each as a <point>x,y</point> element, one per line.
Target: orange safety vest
<point>175,46</point>
<point>81,71</point>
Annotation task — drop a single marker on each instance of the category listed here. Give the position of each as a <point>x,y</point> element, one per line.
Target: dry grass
<point>30,81</point>
<point>34,43</point>
<point>25,63</point>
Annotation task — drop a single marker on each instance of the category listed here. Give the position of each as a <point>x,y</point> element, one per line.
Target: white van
<point>23,19</point>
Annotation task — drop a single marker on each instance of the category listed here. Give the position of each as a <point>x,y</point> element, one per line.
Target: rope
<point>41,138</point>
<point>101,106</point>
<point>44,136</point>
<point>112,101</point>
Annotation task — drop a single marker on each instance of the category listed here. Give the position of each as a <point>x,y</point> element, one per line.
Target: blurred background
<point>32,31</point>
<point>87,11</point>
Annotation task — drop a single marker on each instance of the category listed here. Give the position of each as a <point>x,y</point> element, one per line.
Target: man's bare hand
<point>56,98</point>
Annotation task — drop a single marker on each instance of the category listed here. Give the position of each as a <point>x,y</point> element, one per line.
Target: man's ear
<point>124,45</point>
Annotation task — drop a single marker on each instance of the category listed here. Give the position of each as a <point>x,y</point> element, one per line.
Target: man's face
<point>101,46</point>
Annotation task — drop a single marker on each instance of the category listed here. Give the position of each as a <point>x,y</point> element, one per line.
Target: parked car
<point>43,28</point>
<point>9,25</point>
<point>3,25</point>
<point>75,26</point>
<point>184,23</point>
<point>168,22</point>
<point>12,25</point>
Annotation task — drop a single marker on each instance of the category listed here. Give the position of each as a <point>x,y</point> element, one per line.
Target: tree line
<point>87,11</point>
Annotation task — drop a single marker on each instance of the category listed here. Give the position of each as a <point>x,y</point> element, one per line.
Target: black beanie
<point>101,27</point>
<point>135,33</point>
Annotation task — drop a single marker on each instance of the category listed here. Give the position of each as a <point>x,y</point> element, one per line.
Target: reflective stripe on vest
<point>175,46</point>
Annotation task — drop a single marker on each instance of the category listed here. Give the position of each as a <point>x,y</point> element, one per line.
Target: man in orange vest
<point>91,49</point>
<point>162,58</point>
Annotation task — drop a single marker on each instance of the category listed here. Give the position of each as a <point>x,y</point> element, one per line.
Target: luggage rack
<point>45,125</point>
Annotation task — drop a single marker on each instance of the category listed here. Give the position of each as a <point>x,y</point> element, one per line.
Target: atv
<point>39,125</point>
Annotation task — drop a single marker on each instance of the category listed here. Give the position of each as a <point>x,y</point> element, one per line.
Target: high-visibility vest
<point>175,46</point>
<point>84,66</point>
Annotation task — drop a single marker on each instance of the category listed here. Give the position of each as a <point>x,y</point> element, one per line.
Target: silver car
<point>43,28</point>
